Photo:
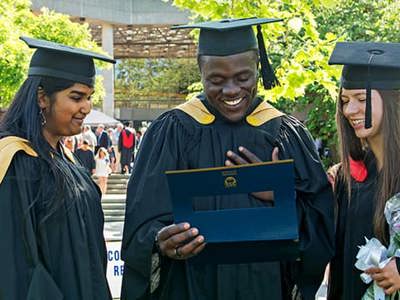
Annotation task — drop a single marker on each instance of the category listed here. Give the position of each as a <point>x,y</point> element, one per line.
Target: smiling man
<point>226,125</point>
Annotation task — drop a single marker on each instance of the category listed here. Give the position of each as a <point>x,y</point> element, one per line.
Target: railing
<point>148,104</point>
<point>149,101</point>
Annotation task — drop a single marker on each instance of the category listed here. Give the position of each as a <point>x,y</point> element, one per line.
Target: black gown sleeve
<point>148,207</point>
<point>314,205</point>
<point>335,287</point>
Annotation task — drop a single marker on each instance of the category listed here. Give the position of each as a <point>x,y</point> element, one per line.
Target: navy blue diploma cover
<point>239,235</point>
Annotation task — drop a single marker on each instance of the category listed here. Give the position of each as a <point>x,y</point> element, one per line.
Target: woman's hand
<point>332,174</point>
<point>179,241</point>
<point>387,278</point>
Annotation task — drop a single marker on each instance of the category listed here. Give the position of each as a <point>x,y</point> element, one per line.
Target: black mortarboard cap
<point>368,65</point>
<point>61,61</point>
<point>232,36</point>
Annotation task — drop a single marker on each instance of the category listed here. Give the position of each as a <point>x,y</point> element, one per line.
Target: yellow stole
<point>12,144</point>
<point>263,113</point>
<point>8,147</point>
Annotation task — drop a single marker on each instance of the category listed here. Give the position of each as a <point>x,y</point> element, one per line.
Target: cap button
<point>376,51</point>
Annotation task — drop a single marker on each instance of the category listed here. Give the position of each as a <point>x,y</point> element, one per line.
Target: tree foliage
<point>299,47</point>
<point>295,46</point>
<point>368,20</point>
<point>144,76</point>
<point>16,19</point>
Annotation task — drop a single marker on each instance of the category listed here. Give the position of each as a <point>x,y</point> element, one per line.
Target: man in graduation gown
<point>126,146</point>
<point>226,125</point>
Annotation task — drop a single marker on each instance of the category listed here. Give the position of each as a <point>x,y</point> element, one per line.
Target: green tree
<point>17,20</point>
<point>299,47</point>
<point>147,76</point>
<point>368,20</point>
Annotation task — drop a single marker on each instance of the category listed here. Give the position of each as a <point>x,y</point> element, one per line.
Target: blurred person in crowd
<point>102,168</point>
<point>126,146</point>
<point>111,153</point>
<point>103,139</point>
<point>88,134</point>
<point>69,143</point>
<point>86,156</point>
<point>138,139</point>
<point>112,136</point>
<point>117,132</point>
<point>111,149</point>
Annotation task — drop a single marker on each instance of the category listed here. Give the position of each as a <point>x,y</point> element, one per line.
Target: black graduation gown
<point>63,257</point>
<point>86,158</point>
<point>126,153</point>
<point>354,222</point>
<point>176,141</point>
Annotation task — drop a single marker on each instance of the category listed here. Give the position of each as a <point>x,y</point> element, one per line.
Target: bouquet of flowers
<point>374,254</point>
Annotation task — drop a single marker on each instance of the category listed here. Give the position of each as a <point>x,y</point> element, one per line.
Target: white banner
<point>115,268</point>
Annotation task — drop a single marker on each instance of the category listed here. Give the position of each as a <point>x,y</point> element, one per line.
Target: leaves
<point>300,46</point>
<point>16,20</point>
<point>144,76</point>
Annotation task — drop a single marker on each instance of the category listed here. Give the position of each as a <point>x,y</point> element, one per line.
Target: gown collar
<point>200,109</point>
<point>256,101</point>
<point>63,152</point>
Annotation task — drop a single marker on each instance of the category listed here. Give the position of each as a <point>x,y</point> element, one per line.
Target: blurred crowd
<point>104,150</point>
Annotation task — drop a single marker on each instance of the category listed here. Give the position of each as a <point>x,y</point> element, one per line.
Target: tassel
<point>267,73</point>
<point>368,120</point>
<point>368,117</point>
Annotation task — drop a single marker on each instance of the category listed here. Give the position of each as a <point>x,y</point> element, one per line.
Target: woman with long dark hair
<point>368,119</point>
<point>51,221</point>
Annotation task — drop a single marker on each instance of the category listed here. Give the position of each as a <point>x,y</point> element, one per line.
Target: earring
<point>43,121</point>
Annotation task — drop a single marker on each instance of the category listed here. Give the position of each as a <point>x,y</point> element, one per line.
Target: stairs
<point>116,184</point>
<point>113,203</point>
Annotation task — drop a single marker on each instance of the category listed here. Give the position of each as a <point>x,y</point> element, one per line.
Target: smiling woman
<point>50,214</point>
<point>64,111</point>
<point>368,117</point>
<point>353,109</point>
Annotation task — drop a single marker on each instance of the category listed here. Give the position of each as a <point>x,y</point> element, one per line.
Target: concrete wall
<point>118,11</point>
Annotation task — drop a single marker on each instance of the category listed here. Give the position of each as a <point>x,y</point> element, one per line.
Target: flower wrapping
<point>374,254</point>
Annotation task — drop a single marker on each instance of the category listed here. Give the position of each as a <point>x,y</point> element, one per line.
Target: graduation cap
<point>368,65</point>
<point>61,61</point>
<point>232,36</point>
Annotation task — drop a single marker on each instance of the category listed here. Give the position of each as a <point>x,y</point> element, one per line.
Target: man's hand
<point>179,241</point>
<point>387,278</point>
<point>248,157</point>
